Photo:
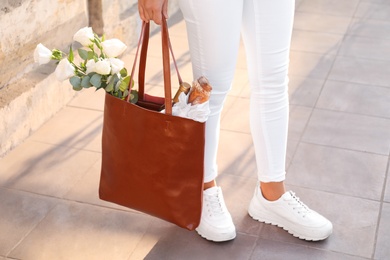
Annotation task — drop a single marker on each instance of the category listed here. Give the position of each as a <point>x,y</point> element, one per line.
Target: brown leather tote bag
<point>153,162</point>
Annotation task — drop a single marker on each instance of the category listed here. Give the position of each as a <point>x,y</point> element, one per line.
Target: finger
<point>144,15</point>
<point>157,17</point>
<point>165,9</point>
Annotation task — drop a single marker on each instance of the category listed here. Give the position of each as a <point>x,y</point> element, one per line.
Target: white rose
<point>116,65</point>
<point>103,67</point>
<point>84,36</point>
<point>91,64</point>
<point>113,48</point>
<point>42,55</point>
<point>64,70</point>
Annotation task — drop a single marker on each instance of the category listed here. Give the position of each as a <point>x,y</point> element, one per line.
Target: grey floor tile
<point>350,131</point>
<point>237,118</point>
<point>299,116</point>
<point>188,245</point>
<point>310,65</point>
<point>45,169</point>
<point>233,158</point>
<point>274,250</point>
<point>338,171</point>
<point>316,42</point>
<point>83,129</point>
<point>333,7</point>
<point>355,98</point>
<point>362,71</point>
<point>20,213</point>
<point>238,192</point>
<point>239,82</point>
<point>387,188</point>
<point>369,28</point>
<point>354,223</point>
<point>87,189</point>
<point>155,231</point>
<point>376,11</point>
<point>304,91</point>
<point>365,47</point>
<point>321,23</point>
<point>79,231</point>
<point>382,250</point>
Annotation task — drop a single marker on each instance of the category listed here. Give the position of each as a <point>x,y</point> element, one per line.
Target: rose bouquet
<point>98,67</point>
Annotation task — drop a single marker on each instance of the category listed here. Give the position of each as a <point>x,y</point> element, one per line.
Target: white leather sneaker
<point>216,223</point>
<point>289,213</point>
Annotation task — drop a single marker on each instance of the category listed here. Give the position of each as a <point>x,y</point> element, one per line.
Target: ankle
<point>272,191</point>
<point>209,184</point>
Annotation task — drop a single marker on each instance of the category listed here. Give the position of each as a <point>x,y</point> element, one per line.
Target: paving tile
<point>299,117</point>
<point>237,119</point>
<point>239,82</point>
<point>333,7</point>
<point>348,131</point>
<point>376,11</point>
<point>268,249</point>
<point>387,188</point>
<point>45,169</point>
<point>382,250</point>
<point>83,129</point>
<point>321,23</point>
<point>310,65</point>
<point>80,231</point>
<point>297,3</point>
<point>87,189</point>
<point>316,42</point>
<point>236,154</point>
<point>369,28</point>
<point>238,192</point>
<point>362,71</point>
<point>355,98</point>
<point>354,223</point>
<point>365,47</point>
<point>181,244</point>
<point>20,213</point>
<point>304,91</point>
<point>338,171</point>
<point>156,230</point>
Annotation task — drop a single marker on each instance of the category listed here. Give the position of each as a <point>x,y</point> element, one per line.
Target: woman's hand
<point>153,10</point>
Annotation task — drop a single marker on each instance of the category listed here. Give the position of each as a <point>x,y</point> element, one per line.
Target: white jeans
<point>213,28</point>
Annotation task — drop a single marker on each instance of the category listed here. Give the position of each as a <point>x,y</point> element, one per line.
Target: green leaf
<point>96,80</point>
<point>71,54</point>
<point>76,83</point>
<point>133,96</point>
<point>103,85</point>
<point>125,83</point>
<point>85,82</point>
<point>83,54</point>
<point>110,86</point>
<point>123,72</point>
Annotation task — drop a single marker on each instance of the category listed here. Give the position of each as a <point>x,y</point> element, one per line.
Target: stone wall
<point>30,95</point>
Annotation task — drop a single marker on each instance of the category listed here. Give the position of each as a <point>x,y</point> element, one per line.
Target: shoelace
<point>298,205</point>
<point>215,204</point>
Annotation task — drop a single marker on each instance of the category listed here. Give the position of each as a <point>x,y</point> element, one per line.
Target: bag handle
<point>166,47</point>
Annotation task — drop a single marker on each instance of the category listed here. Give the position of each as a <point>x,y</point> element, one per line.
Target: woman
<point>214,28</point>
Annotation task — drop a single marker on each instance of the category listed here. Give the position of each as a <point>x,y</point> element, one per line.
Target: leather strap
<point>166,48</point>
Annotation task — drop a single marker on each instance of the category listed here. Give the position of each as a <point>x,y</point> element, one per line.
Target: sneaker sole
<point>220,238</point>
<point>290,231</point>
